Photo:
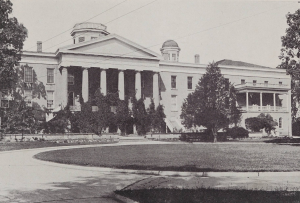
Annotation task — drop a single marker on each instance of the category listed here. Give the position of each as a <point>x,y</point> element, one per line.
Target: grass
<point>8,146</point>
<point>184,157</point>
<point>209,196</point>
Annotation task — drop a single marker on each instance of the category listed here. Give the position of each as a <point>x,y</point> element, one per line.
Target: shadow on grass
<point>283,140</point>
<point>209,195</point>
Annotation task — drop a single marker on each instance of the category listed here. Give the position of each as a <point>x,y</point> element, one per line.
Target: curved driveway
<point>25,179</point>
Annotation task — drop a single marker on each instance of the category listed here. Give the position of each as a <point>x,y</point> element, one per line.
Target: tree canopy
<point>12,37</point>
<point>212,104</point>
<point>290,55</point>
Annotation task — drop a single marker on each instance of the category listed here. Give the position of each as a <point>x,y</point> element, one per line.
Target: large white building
<point>100,59</point>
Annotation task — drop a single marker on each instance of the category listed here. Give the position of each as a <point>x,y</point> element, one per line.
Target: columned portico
<point>85,84</point>
<point>121,85</point>
<point>64,86</point>
<point>138,82</point>
<point>103,87</point>
<point>156,97</point>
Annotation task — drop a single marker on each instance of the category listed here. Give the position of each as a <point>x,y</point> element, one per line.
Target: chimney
<point>39,46</point>
<point>197,59</point>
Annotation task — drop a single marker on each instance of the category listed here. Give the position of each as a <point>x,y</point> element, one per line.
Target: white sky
<point>248,31</point>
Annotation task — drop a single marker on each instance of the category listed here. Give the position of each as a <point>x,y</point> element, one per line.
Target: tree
<point>262,121</point>
<point>123,116</point>
<point>141,119</point>
<point>212,104</point>
<point>12,37</point>
<point>290,55</point>
<point>156,117</point>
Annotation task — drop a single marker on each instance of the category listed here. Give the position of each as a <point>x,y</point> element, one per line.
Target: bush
<point>296,128</point>
<point>237,132</point>
<point>255,124</point>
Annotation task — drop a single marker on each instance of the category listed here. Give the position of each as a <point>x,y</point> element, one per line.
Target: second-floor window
<point>190,83</point>
<point>70,78</point>
<point>173,57</point>
<point>280,122</point>
<point>243,81</point>
<point>50,75</point>
<point>28,97</point>
<point>280,83</point>
<point>81,39</point>
<point>266,83</point>
<point>254,82</point>
<point>28,75</point>
<point>173,82</point>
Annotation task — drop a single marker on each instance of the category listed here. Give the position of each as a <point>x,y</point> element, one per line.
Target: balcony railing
<point>267,108</point>
<point>261,85</point>
<point>75,108</point>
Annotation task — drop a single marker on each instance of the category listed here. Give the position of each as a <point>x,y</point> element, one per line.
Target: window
<point>166,56</point>
<point>280,122</point>
<point>50,75</point>
<point>266,83</point>
<point>297,82</point>
<point>28,74</point>
<point>173,82</point>
<point>70,78</point>
<point>190,83</point>
<point>173,57</point>
<point>92,38</point>
<point>4,103</point>
<point>280,83</point>
<point>174,103</point>
<point>50,99</point>
<point>28,97</point>
<point>81,39</point>
<point>254,82</point>
<point>243,81</point>
<point>226,84</point>
<point>73,41</point>
<point>4,93</point>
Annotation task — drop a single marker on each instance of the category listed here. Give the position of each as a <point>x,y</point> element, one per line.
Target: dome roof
<point>170,43</point>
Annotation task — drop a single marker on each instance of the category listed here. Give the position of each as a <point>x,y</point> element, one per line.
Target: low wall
<point>54,137</point>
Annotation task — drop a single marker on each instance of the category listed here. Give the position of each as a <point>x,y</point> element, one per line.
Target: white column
<point>85,85</point>
<point>274,101</point>
<point>103,88</point>
<point>247,101</point>
<point>261,104</point>
<point>64,86</point>
<point>155,89</point>
<point>138,87</point>
<point>121,85</point>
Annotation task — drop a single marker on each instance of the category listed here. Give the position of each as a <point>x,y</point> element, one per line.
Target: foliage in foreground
<point>212,104</point>
<point>262,121</point>
<point>290,55</point>
<point>209,195</point>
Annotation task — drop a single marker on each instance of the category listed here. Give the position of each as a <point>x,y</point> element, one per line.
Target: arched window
<point>280,122</point>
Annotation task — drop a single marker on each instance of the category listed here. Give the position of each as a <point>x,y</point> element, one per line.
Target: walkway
<point>25,179</point>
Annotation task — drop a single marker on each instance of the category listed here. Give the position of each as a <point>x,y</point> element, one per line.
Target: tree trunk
<point>215,134</point>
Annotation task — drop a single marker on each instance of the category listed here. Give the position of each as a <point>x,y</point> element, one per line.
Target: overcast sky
<point>248,31</point>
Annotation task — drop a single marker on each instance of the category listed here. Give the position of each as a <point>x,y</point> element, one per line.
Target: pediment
<point>112,45</point>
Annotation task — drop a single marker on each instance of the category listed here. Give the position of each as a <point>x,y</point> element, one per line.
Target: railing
<point>267,108</point>
<point>251,84</point>
<point>90,25</point>
<point>75,108</point>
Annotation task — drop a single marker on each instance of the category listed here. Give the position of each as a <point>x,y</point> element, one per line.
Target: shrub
<point>237,132</point>
<point>296,128</point>
<point>255,124</point>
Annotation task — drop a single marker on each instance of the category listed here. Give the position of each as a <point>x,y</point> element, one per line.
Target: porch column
<point>85,84</point>
<point>138,88</point>
<point>274,101</point>
<point>247,102</point>
<point>155,89</point>
<point>64,86</point>
<point>103,88</point>
<point>121,85</point>
<point>261,104</point>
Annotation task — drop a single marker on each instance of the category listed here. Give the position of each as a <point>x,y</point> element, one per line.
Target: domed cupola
<point>170,50</point>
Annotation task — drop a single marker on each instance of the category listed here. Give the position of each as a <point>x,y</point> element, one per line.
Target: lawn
<point>8,146</point>
<point>185,157</point>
